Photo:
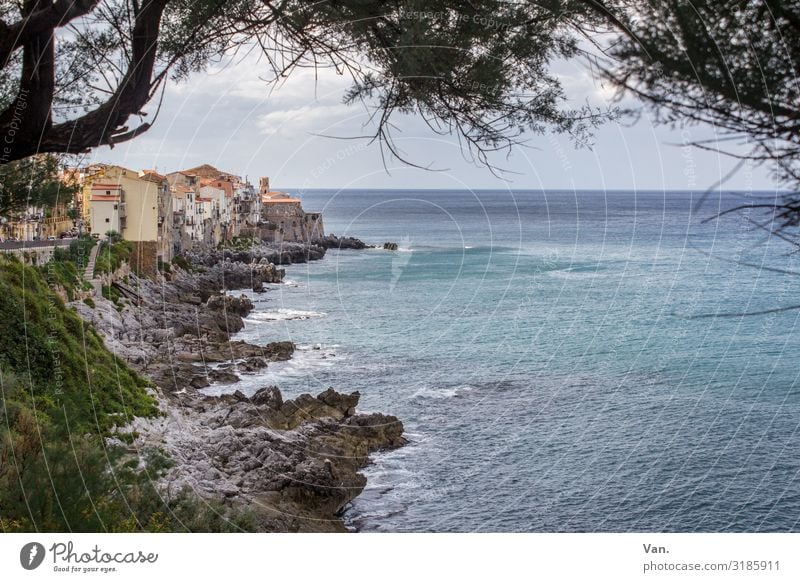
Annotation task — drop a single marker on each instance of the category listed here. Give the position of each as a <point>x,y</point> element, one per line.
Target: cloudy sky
<point>232,119</point>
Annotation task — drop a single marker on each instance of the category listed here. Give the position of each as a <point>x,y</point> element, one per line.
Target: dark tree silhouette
<point>76,74</point>
<point>729,63</point>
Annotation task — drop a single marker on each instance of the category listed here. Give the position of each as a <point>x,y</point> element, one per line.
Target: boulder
<point>270,397</point>
<point>241,305</point>
<point>222,377</point>
<point>345,403</point>
<point>348,242</point>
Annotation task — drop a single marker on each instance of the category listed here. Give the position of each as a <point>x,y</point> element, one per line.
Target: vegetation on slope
<point>112,254</point>
<point>62,393</point>
<point>65,270</point>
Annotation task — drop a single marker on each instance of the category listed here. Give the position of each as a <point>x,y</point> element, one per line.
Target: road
<point>35,244</point>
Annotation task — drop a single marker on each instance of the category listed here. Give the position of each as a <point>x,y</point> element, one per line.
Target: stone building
<point>283,219</point>
<point>165,218</point>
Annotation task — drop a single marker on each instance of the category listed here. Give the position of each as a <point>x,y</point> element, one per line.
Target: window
<point>115,206</point>
<point>108,220</point>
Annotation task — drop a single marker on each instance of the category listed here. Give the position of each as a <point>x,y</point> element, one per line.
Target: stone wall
<point>314,226</point>
<point>144,258</point>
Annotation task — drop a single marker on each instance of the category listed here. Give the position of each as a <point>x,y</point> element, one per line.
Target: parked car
<point>51,237</point>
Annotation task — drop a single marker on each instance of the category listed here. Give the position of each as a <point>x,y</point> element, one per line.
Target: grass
<point>65,270</point>
<point>62,394</point>
<point>63,357</point>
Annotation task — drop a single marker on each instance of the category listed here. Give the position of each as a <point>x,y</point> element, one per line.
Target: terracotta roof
<point>224,185</point>
<point>152,176</point>
<point>104,198</point>
<point>280,200</point>
<point>105,186</point>
<point>275,197</point>
<point>206,171</point>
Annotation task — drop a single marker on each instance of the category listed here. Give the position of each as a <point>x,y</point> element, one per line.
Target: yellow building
<point>119,199</point>
<point>139,196</point>
<point>87,177</point>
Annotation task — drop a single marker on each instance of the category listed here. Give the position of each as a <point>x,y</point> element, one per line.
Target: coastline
<point>293,465</point>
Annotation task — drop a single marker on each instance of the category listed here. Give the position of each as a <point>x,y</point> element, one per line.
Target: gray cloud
<point>233,119</point>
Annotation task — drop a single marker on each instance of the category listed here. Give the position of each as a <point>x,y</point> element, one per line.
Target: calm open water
<point>539,348</point>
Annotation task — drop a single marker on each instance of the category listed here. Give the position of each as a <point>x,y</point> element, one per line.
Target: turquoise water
<point>539,348</point>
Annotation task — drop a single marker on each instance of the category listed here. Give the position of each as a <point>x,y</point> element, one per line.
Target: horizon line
<point>702,190</point>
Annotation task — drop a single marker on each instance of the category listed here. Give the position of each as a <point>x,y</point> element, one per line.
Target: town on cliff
<point>165,215</point>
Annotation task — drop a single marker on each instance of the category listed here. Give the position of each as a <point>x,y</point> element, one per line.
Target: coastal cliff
<point>294,465</point>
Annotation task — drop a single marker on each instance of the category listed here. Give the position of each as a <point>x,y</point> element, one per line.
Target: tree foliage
<point>79,74</point>
<point>33,181</point>
<point>729,63</point>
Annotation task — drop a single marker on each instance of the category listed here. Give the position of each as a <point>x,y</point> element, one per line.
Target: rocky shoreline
<point>293,464</point>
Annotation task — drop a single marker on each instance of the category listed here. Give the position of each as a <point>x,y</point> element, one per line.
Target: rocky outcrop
<point>390,246</point>
<point>348,242</point>
<point>197,363</point>
<point>177,328</point>
<point>241,306</point>
<point>293,413</point>
<point>225,275</point>
<point>278,254</point>
<point>294,463</point>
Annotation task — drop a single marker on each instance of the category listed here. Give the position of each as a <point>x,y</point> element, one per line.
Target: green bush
<point>62,272</point>
<point>239,243</point>
<point>112,294</point>
<point>56,479</point>
<point>89,301</point>
<point>111,256</point>
<point>66,267</point>
<point>181,262</point>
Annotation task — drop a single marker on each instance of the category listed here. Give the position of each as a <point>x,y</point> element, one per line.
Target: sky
<point>231,118</point>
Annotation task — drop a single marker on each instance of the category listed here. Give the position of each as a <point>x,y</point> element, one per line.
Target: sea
<point>562,361</point>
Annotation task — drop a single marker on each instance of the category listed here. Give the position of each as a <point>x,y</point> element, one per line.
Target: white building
<point>107,208</point>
